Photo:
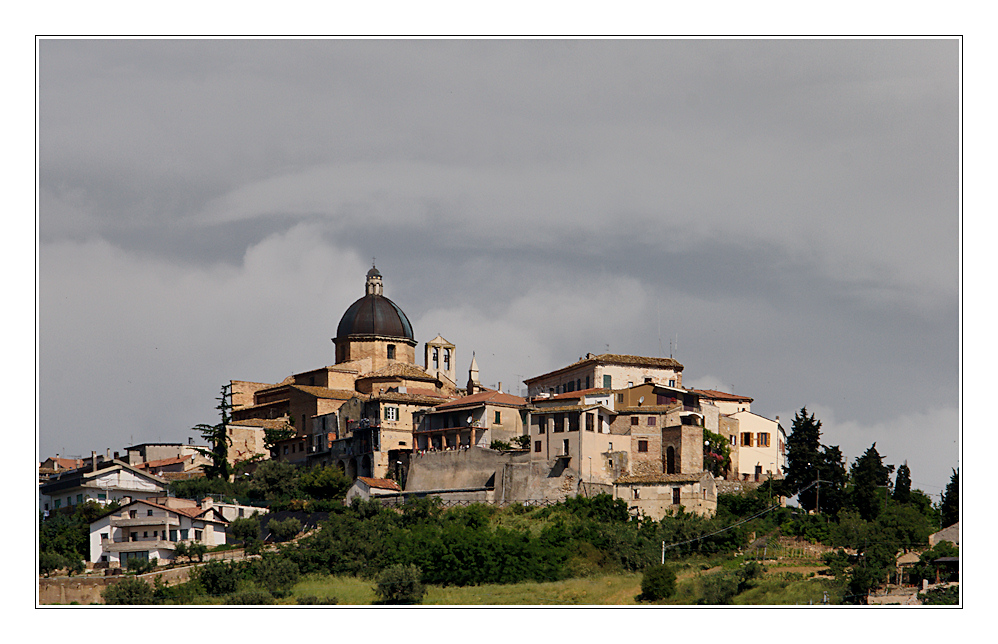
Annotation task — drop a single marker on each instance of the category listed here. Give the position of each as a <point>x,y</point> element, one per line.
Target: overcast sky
<point>780,216</point>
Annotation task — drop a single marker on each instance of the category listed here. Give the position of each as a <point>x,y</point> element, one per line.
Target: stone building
<point>608,371</point>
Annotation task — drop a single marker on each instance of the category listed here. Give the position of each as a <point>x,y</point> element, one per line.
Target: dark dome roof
<point>374,272</point>
<point>375,315</point>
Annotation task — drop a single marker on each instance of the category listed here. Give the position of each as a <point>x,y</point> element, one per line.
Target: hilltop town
<point>622,426</point>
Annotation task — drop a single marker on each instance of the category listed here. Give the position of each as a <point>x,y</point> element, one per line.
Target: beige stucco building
<point>607,371</point>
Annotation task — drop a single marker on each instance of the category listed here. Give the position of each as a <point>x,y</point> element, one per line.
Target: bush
<point>218,578</point>
<point>141,566</point>
<point>245,529</point>
<point>250,598</point>
<point>400,584</point>
<point>284,530</point>
<point>49,562</point>
<point>658,582</point>
<point>128,591</point>
<point>718,589</point>
<point>278,575</point>
<point>312,600</point>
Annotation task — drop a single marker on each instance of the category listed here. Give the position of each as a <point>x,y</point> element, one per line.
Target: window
<point>647,379</point>
<point>651,421</point>
<point>391,351</point>
<point>241,513</point>
<point>145,534</point>
<point>155,534</point>
<point>610,448</point>
<point>733,440</point>
<point>762,439</point>
<point>590,421</point>
<point>58,503</point>
<point>498,418</point>
<point>541,424</point>
<point>148,513</point>
<point>672,383</point>
<point>285,450</point>
<point>447,359</point>
<point>634,420</point>
<point>132,514</point>
<point>436,358</point>
<point>587,382</point>
<point>642,446</point>
<point>637,493</point>
<point>294,446</point>
<point>675,496</point>
<point>134,536</point>
<point>746,439</point>
<point>104,536</point>
<point>79,499</point>
<point>559,423</point>
<point>100,497</point>
<point>173,535</point>
<point>564,447</point>
<point>620,398</point>
<point>197,535</point>
<point>391,413</point>
<point>183,534</point>
<point>578,384</point>
<point>606,382</point>
<point>629,384</point>
<point>537,446</point>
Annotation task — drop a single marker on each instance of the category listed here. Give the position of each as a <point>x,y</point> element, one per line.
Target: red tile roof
<point>163,462</point>
<point>614,358</point>
<point>713,394</point>
<point>483,398</point>
<point>383,484</point>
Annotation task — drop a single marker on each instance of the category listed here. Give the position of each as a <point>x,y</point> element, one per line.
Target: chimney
<point>499,388</point>
<point>116,456</point>
<point>206,503</point>
<point>107,456</point>
<point>93,461</point>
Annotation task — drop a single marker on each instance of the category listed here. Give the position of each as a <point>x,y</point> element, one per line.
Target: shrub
<point>400,584</point>
<point>278,575</point>
<point>218,578</point>
<point>128,591</point>
<point>245,529</point>
<point>658,582</point>
<point>250,598</point>
<point>284,530</point>
<point>500,446</point>
<point>718,589</point>
<point>310,600</point>
<point>141,566</point>
<point>49,562</point>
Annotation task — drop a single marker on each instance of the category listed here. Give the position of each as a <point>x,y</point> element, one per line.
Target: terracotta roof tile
<point>164,461</point>
<point>617,359</point>
<point>382,484</point>
<point>662,478</point>
<point>400,370</point>
<point>713,394</point>
<point>482,398</point>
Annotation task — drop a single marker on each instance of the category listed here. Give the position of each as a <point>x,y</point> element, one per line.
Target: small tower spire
<point>373,286</point>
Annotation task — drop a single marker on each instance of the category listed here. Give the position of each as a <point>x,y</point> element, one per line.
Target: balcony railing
<point>118,522</point>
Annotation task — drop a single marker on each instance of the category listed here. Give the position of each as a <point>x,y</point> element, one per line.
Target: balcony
<point>363,423</point>
<point>127,545</point>
<point>155,521</point>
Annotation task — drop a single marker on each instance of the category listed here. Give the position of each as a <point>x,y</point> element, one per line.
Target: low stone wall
<point>735,487</point>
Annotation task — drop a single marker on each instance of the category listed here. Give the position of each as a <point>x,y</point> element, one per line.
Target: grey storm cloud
<point>787,210</point>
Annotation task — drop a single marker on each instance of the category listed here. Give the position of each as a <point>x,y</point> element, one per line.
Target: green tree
<point>218,577</point>
<point>129,591</point>
<point>327,482</point>
<point>950,507</point>
<point>246,529</point>
<point>218,439</point>
<point>284,530</point>
<point>274,481</point>
<point>400,584</point>
<point>868,480</point>
<point>277,574</point>
<point>273,435</point>
<point>657,582</point>
<point>716,453</point>
<point>49,562</point>
<point>809,461</point>
<point>902,485</point>
<point>522,441</point>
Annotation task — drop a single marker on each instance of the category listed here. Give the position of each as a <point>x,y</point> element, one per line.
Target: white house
<point>758,446</point>
<point>365,487</point>
<point>108,481</point>
<point>147,529</point>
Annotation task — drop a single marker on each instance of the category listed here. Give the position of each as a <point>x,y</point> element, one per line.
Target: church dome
<point>375,314</point>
